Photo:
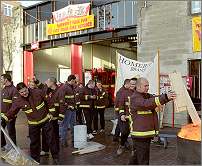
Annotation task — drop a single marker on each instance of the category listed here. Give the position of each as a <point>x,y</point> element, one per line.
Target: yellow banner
<point>70,25</point>
<point>196,32</point>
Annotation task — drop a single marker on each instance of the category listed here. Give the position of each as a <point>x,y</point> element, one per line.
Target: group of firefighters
<point>53,109</point>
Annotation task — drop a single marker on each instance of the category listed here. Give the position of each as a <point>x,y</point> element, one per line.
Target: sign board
<point>196,33</point>
<point>71,11</point>
<point>71,24</point>
<point>35,45</point>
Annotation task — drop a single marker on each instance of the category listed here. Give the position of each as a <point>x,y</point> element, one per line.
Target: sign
<point>88,77</point>
<point>71,11</point>
<point>129,68</point>
<point>196,33</point>
<point>70,25</point>
<point>35,45</point>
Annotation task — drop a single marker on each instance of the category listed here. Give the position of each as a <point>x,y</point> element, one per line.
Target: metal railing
<point>114,15</point>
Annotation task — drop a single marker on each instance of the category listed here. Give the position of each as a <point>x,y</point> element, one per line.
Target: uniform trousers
<point>88,113</point>
<point>125,130</point>
<point>35,141</point>
<point>95,118</point>
<point>141,149</point>
<point>79,116</point>
<point>11,131</point>
<point>54,139</point>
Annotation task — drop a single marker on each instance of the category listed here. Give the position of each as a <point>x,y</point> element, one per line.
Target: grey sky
<point>29,3</point>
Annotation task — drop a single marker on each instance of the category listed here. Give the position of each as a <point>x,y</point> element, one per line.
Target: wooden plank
<point>183,101</point>
<point>177,86</point>
<point>191,109</point>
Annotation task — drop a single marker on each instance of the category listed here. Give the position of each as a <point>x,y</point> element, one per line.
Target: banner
<point>70,25</point>
<point>196,33</point>
<point>129,68</point>
<point>71,11</point>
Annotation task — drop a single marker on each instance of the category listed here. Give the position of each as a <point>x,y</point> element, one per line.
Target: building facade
<point>12,36</point>
<point>136,29</point>
<point>169,27</point>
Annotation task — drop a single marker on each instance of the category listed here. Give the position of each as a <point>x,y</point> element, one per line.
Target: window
<point>7,10</point>
<point>30,16</point>
<point>195,7</point>
<point>45,11</point>
<point>61,4</point>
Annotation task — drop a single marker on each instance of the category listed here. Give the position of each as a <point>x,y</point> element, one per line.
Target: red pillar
<point>76,60</point>
<point>28,66</point>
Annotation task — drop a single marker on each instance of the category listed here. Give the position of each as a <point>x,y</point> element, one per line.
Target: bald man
<point>144,119</point>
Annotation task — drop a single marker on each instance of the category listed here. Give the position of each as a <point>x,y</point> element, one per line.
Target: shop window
<point>7,10</point>
<point>195,7</point>
<point>30,16</point>
<point>61,4</point>
<point>45,11</point>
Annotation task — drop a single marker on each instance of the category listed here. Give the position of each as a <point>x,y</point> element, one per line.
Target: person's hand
<point>93,97</point>
<point>70,107</point>
<point>123,118</point>
<point>171,95</point>
<point>50,116</point>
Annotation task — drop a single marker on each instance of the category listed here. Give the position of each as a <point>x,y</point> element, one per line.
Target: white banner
<point>129,68</point>
<point>77,10</point>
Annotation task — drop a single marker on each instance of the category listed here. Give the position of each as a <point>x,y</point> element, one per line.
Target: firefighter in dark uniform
<point>78,87</point>
<point>32,102</point>
<point>67,99</point>
<point>144,120</point>
<point>123,107</point>
<point>8,94</point>
<point>87,97</point>
<point>52,101</point>
<point>100,105</point>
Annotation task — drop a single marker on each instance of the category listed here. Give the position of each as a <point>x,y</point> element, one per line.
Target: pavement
<point>158,154</point>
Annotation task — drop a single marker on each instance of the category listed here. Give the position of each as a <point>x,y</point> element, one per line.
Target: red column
<point>28,66</point>
<point>76,60</point>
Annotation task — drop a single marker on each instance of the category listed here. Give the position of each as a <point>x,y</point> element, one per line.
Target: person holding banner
<point>144,119</point>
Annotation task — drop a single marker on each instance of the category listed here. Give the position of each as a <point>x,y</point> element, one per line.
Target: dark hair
<point>134,79</point>
<point>91,82</point>
<point>36,81</point>
<point>71,77</point>
<point>126,81</point>
<point>99,81</point>
<point>53,79</point>
<point>20,86</point>
<point>7,76</point>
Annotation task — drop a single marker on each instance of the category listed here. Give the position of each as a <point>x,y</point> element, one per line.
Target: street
<point>158,155</point>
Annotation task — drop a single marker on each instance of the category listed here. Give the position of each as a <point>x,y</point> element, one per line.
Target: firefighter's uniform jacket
<point>67,97</point>
<point>144,117</point>
<point>52,102</point>
<point>77,89</point>
<point>85,100</point>
<point>102,99</point>
<point>33,106</point>
<point>8,95</point>
<point>122,100</point>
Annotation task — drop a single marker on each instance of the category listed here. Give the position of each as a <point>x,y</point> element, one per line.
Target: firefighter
<point>101,104</point>
<point>52,101</point>
<point>87,97</point>
<point>144,119</point>
<point>8,94</point>
<point>32,102</point>
<point>78,87</point>
<point>68,105</point>
<point>122,105</point>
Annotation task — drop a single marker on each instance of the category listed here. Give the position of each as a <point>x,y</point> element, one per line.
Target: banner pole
<point>158,85</point>
<point>158,56</point>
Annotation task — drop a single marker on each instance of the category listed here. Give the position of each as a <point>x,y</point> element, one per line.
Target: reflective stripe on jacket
<point>144,120</point>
